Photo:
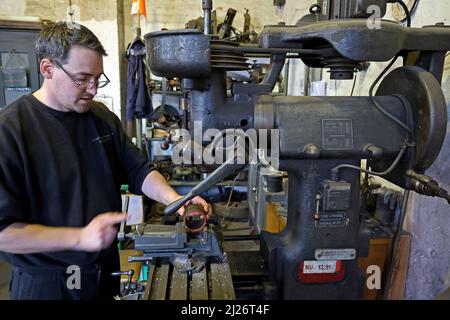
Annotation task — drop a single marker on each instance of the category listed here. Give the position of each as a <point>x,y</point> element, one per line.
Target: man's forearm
<point>22,238</point>
<point>156,187</point>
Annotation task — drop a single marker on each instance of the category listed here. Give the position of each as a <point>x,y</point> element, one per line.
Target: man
<point>63,158</point>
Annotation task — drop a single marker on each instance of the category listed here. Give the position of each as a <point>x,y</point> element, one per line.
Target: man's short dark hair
<point>56,39</point>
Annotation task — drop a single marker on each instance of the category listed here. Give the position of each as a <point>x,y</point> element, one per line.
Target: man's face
<point>82,64</point>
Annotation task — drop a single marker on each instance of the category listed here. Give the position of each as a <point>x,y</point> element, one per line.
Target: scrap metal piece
<point>187,264</point>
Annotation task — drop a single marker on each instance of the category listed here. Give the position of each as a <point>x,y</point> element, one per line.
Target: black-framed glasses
<point>86,84</point>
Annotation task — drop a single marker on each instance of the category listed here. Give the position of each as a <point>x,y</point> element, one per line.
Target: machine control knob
<point>373,151</point>
<point>312,151</point>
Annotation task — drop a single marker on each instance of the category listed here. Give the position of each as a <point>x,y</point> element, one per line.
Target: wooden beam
<point>22,24</point>
<point>379,255</point>
<point>396,290</point>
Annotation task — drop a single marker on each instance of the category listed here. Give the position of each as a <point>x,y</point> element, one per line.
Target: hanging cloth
<point>139,105</point>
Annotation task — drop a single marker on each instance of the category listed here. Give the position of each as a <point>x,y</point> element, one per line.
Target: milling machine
<point>320,141</point>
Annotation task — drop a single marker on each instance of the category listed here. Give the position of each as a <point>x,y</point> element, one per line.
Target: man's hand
<point>200,201</point>
<point>100,232</point>
<point>156,187</point>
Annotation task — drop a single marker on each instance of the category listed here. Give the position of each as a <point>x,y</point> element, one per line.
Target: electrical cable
<point>227,207</point>
<point>405,145</point>
<point>411,11</point>
<point>335,170</point>
<point>380,108</point>
<point>407,12</point>
<point>354,83</point>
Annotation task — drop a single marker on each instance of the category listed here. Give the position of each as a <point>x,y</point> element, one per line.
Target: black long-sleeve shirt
<point>63,169</point>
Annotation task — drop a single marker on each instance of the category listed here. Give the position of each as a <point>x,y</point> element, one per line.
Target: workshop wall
<point>100,16</point>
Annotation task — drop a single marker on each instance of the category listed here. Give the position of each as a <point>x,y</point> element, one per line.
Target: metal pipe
<point>139,259</point>
<point>139,133</point>
<point>207,7</point>
<point>194,218</point>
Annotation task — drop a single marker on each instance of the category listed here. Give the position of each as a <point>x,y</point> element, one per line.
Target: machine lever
<point>129,274</point>
<point>317,213</point>
<point>228,168</point>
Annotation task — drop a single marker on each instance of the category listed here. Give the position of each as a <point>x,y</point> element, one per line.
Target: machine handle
<point>428,186</point>
<point>176,205</point>
<point>228,168</point>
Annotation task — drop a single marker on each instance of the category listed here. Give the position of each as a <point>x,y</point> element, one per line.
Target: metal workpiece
<point>194,219</point>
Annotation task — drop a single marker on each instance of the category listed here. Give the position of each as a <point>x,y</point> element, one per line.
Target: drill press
<point>399,129</point>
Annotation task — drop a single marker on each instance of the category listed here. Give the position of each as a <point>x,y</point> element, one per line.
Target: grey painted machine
<point>399,129</point>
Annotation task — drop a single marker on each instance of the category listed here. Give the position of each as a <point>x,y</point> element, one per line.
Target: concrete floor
<point>5,274</point>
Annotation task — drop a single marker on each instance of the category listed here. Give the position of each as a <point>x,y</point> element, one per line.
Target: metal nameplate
<point>335,219</point>
<point>337,134</point>
<point>335,254</point>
